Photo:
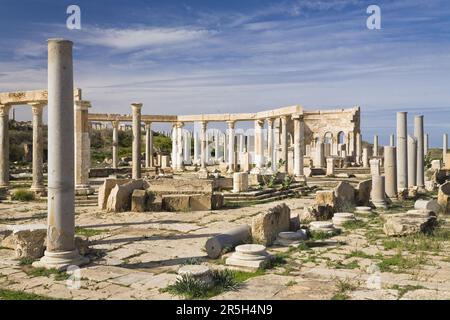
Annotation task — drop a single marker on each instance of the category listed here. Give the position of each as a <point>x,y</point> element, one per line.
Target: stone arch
<point>328,137</point>
<point>340,137</point>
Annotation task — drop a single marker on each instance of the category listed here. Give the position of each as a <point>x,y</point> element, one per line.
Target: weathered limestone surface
<point>378,195</point>
<point>119,199</point>
<point>139,201</point>
<point>411,222</point>
<point>345,194</point>
<point>240,181</point>
<point>267,225</point>
<point>444,197</point>
<point>226,241</point>
<point>176,202</point>
<point>326,198</point>
<point>363,192</point>
<point>27,240</point>
<point>431,205</point>
<point>167,186</point>
<point>105,189</point>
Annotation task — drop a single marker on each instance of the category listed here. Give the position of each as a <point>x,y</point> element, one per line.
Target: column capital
<point>136,106</point>
<point>115,124</point>
<point>259,122</point>
<point>82,105</point>
<point>297,116</point>
<point>4,109</point>
<point>203,124</point>
<point>231,124</point>
<point>178,125</point>
<point>270,122</point>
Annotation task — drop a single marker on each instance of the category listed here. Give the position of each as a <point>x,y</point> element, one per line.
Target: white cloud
<point>138,38</point>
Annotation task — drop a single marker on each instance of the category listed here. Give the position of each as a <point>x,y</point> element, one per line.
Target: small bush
<point>22,195</point>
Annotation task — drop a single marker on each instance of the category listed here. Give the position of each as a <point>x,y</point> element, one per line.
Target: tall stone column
<point>444,146</point>
<point>259,145</point>
<point>174,146</point>
<point>418,134</point>
<point>148,145</point>
<point>231,154</point>
<point>179,128</point>
<point>82,148</point>
<point>115,144</point>
<point>61,251</point>
<point>392,140</point>
<point>136,161</point>
<point>412,161</point>
<point>284,144</point>
<point>375,145</point>
<point>319,155</point>
<point>365,157</point>
<point>203,142</point>
<point>187,148</point>
<point>37,185</point>
<point>402,151</point>
<point>378,194</point>
<point>425,144</point>
<point>390,171</point>
<point>196,147</point>
<point>4,145</point>
<point>270,142</point>
<point>358,148</point>
<point>299,132</point>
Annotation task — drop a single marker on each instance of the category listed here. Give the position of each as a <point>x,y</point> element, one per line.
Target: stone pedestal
<point>61,252</point>
<point>390,171</point>
<point>378,195</point>
<point>250,256</point>
<point>330,166</point>
<point>363,210</point>
<point>339,218</point>
<point>322,226</point>
<point>291,238</point>
<point>240,182</point>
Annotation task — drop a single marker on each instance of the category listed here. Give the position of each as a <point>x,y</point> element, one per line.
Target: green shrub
<point>22,195</point>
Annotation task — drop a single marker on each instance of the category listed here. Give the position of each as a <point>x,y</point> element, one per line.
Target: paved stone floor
<point>137,254</point>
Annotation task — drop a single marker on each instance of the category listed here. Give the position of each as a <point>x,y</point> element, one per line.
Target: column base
<point>83,190</point>
<point>255,170</point>
<point>382,204</point>
<point>60,260</point>
<point>39,190</point>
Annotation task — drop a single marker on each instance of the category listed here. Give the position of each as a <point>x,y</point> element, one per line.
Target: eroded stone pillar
<point>4,145</point>
<point>412,161</point>
<point>425,144</point>
<point>284,144</point>
<point>203,142</point>
<point>148,145</point>
<point>179,153</point>
<point>196,147</point>
<point>419,134</point>
<point>392,141</point>
<point>174,146</point>
<point>136,161</point>
<point>230,153</point>
<point>270,142</point>
<point>358,148</point>
<point>82,148</point>
<point>319,155</point>
<point>299,132</point>
<point>365,157</point>
<point>375,167</point>
<point>402,151</point>
<point>187,148</point>
<point>259,145</point>
<point>61,251</point>
<point>378,194</point>
<point>115,144</point>
<point>330,166</point>
<point>390,171</point>
<point>375,145</point>
<point>444,146</point>
<point>37,185</point>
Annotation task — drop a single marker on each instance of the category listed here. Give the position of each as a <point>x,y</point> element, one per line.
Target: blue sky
<point>184,57</point>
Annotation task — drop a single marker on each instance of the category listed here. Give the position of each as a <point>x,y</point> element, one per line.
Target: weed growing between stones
<point>22,195</point>
<point>402,290</point>
<point>6,294</point>
<point>43,272</point>
<point>399,263</point>
<point>343,286</point>
<point>80,231</point>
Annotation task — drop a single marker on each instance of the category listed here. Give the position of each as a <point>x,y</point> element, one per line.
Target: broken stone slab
<point>326,198</point>
<point>363,192</point>
<point>431,205</point>
<point>181,186</point>
<point>340,218</point>
<point>226,241</point>
<point>411,222</point>
<point>174,203</point>
<point>267,225</point>
<point>444,197</point>
<point>139,201</point>
<point>240,182</point>
<point>105,189</point>
<point>119,199</point>
<point>345,195</point>
<point>200,272</point>
<point>252,256</point>
<point>27,240</point>
<point>291,238</point>
<point>436,164</point>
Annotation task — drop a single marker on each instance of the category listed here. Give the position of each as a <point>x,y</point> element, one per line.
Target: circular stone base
<point>380,204</point>
<point>60,260</point>
<point>291,238</point>
<point>199,272</point>
<point>363,209</point>
<point>322,226</point>
<point>249,255</point>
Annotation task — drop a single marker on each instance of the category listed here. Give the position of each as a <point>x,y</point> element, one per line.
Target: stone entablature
<point>28,97</point>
